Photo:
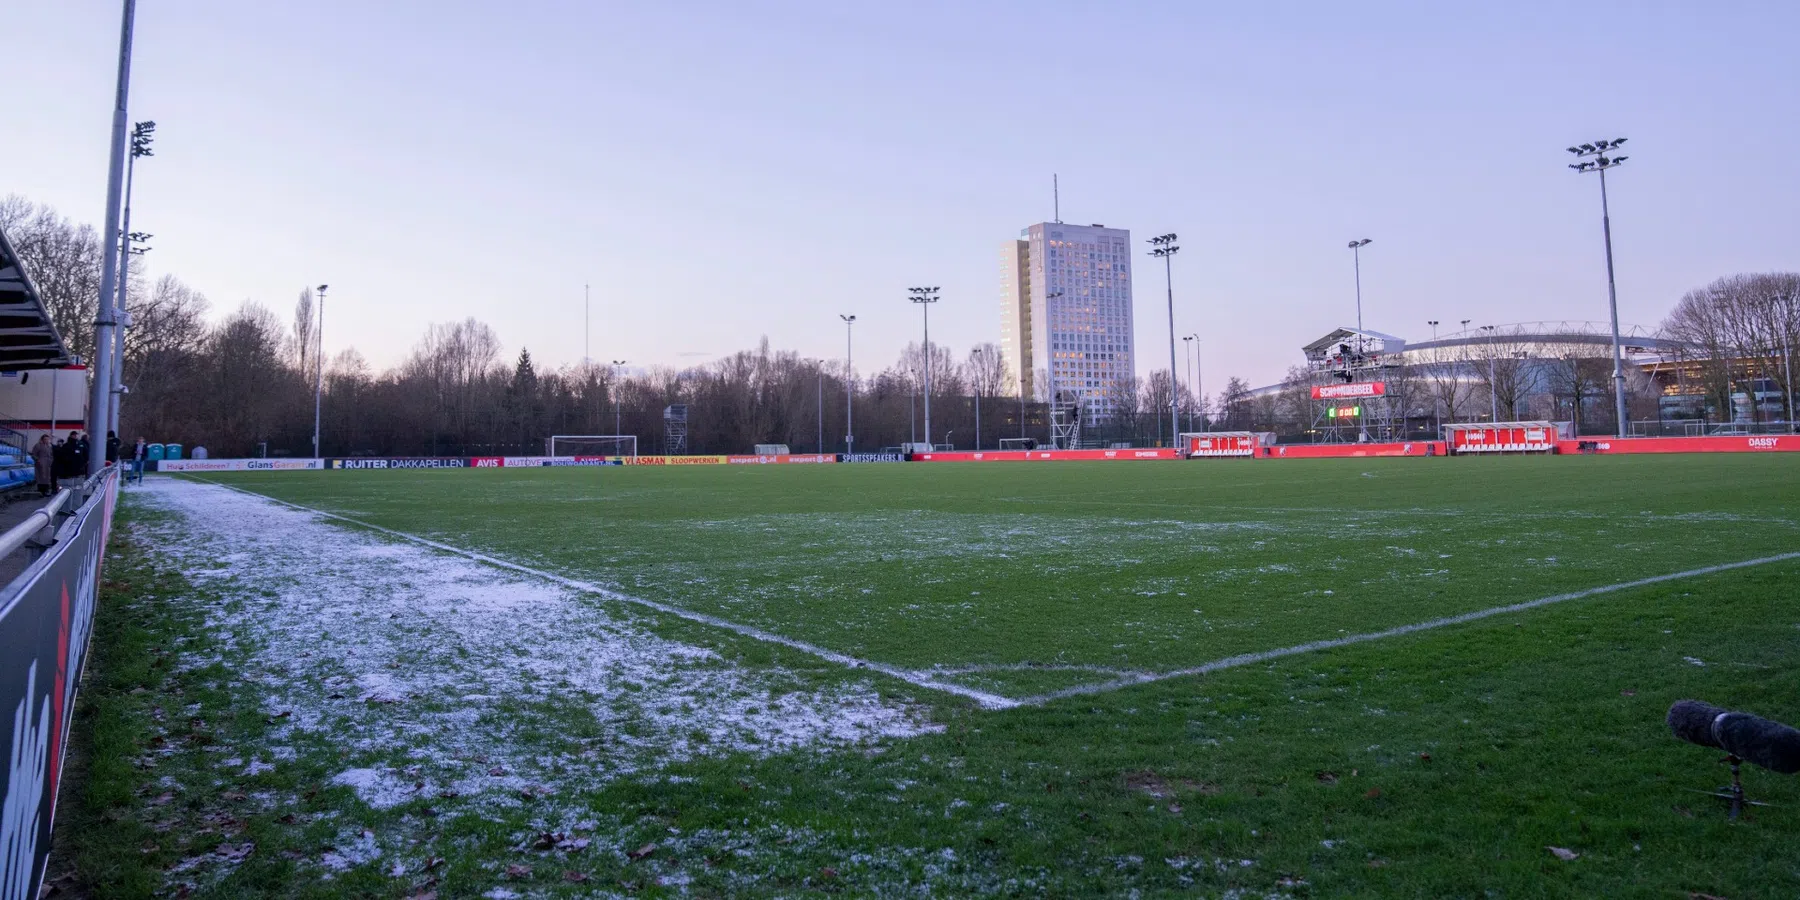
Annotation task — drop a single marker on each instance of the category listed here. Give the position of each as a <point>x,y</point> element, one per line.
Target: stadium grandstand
<point>1551,370</point>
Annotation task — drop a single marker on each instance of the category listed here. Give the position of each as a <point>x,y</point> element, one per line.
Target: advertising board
<point>1049,455</point>
<point>765,459</point>
<point>1723,443</point>
<point>398,462</point>
<point>236,465</point>
<point>45,622</point>
<point>1349,391</point>
<point>1355,451</point>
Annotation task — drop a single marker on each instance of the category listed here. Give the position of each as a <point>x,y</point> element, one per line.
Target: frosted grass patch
<point>442,676</point>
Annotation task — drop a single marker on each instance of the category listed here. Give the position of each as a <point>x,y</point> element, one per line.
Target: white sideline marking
<point>919,679</point>
<point>924,679</point>
<point>1266,655</point>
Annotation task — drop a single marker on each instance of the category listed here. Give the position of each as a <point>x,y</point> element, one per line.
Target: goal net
<point>591,445</point>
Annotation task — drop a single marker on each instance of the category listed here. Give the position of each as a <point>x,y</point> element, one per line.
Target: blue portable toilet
<point>172,451</point>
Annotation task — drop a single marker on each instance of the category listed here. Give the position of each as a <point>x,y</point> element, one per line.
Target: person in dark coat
<point>80,456</point>
<point>43,460</point>
<point>112,447</point>
<point>63,461</point>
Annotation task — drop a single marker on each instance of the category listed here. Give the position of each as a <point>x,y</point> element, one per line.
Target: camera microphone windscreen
<point>1754,739</point>
<point>1692,721</point>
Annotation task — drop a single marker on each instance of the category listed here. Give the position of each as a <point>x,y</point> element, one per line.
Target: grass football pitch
<point>1123,668</point>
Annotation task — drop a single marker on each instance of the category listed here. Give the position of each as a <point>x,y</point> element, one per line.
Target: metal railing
<point>34,526</point>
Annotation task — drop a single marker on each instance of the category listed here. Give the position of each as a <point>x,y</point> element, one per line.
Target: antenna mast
<point>1056,199</point>
<point>586,359</point>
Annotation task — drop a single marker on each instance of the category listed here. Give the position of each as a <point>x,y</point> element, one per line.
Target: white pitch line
<point>916,678</point>
<point>1266,655</point>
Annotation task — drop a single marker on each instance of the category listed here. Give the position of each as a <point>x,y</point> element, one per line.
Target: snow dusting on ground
<point>441,676</point>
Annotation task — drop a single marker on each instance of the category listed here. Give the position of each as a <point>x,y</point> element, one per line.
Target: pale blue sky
<point>723,171</point>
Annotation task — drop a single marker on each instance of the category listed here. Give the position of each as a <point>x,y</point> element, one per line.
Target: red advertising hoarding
<point>1353,451</point>
<point>1048,455</point>
<point>1349,391</point>
<point>766,459</point>
<point>1730,443</point>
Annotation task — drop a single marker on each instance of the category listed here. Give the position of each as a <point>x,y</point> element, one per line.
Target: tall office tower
<point>1066,313</point>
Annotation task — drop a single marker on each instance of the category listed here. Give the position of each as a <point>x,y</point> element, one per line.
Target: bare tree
<point>305,345</point>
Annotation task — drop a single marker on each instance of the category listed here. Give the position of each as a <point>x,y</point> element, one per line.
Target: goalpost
<point>591,445</point>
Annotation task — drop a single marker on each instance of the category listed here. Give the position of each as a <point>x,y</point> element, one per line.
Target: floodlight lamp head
<point>1619,159</point>
<point>322,288</point>
<point>1575,150</point>
<point>1587,148</point>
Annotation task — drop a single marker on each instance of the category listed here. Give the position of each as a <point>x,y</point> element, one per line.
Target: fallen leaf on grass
<point>432,863</point>
<point>546,840</point>
<point>233,795</point>
<point>1696,895</point>
<point>574,877</point>
<point>1628,693</point>
<point>1175,808</point>
<point>160,799</point>
<point>1564,853</point>
<point>828,872</point>
<point>1327,777</point>
<point>279,716</point>
<point>517,871</point>
<point>1372,794</point>
<point>497,771</point>
<point>334,696</point>
<point>287,819</point>
<point>1424,757</point>
<point>140,690</point>
<point>642,852</point>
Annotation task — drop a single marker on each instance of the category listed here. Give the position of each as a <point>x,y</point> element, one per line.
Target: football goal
<point>591,445</point>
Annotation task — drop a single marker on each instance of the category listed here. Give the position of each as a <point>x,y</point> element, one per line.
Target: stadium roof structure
<point>1375,341</point>
<point>28,339</point>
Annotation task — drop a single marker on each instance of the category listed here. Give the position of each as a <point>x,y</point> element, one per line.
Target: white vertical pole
<point>100,393</point>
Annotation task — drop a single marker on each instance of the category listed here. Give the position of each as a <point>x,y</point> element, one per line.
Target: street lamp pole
<point>1187,352</point>
<point>821,372</point>
<point>1200,379</point>
<point>1165,248</point>
<point>978,356</point>
<point>849,385</point>
<point>1602,160</point>
<point>618,418</point>
<point>1493,386</point>
<point>319,377</point>
<point>925,296</point>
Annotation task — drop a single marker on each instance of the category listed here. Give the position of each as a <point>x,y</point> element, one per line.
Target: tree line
<point>243,385</point>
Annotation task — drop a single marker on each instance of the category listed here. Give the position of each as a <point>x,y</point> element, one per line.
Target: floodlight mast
<point>1356,254</point>
<point>849,385</point>
<point>1603,159</point>
<point>100,391</point>
<point>925,296</point>
<point>319,377</point>
<point>131,243</point>
<point>1164,247</point>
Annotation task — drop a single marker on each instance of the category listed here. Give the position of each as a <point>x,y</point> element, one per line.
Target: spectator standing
<point>43,460</point>
<point>82,451</point>
<point>112,447</point>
